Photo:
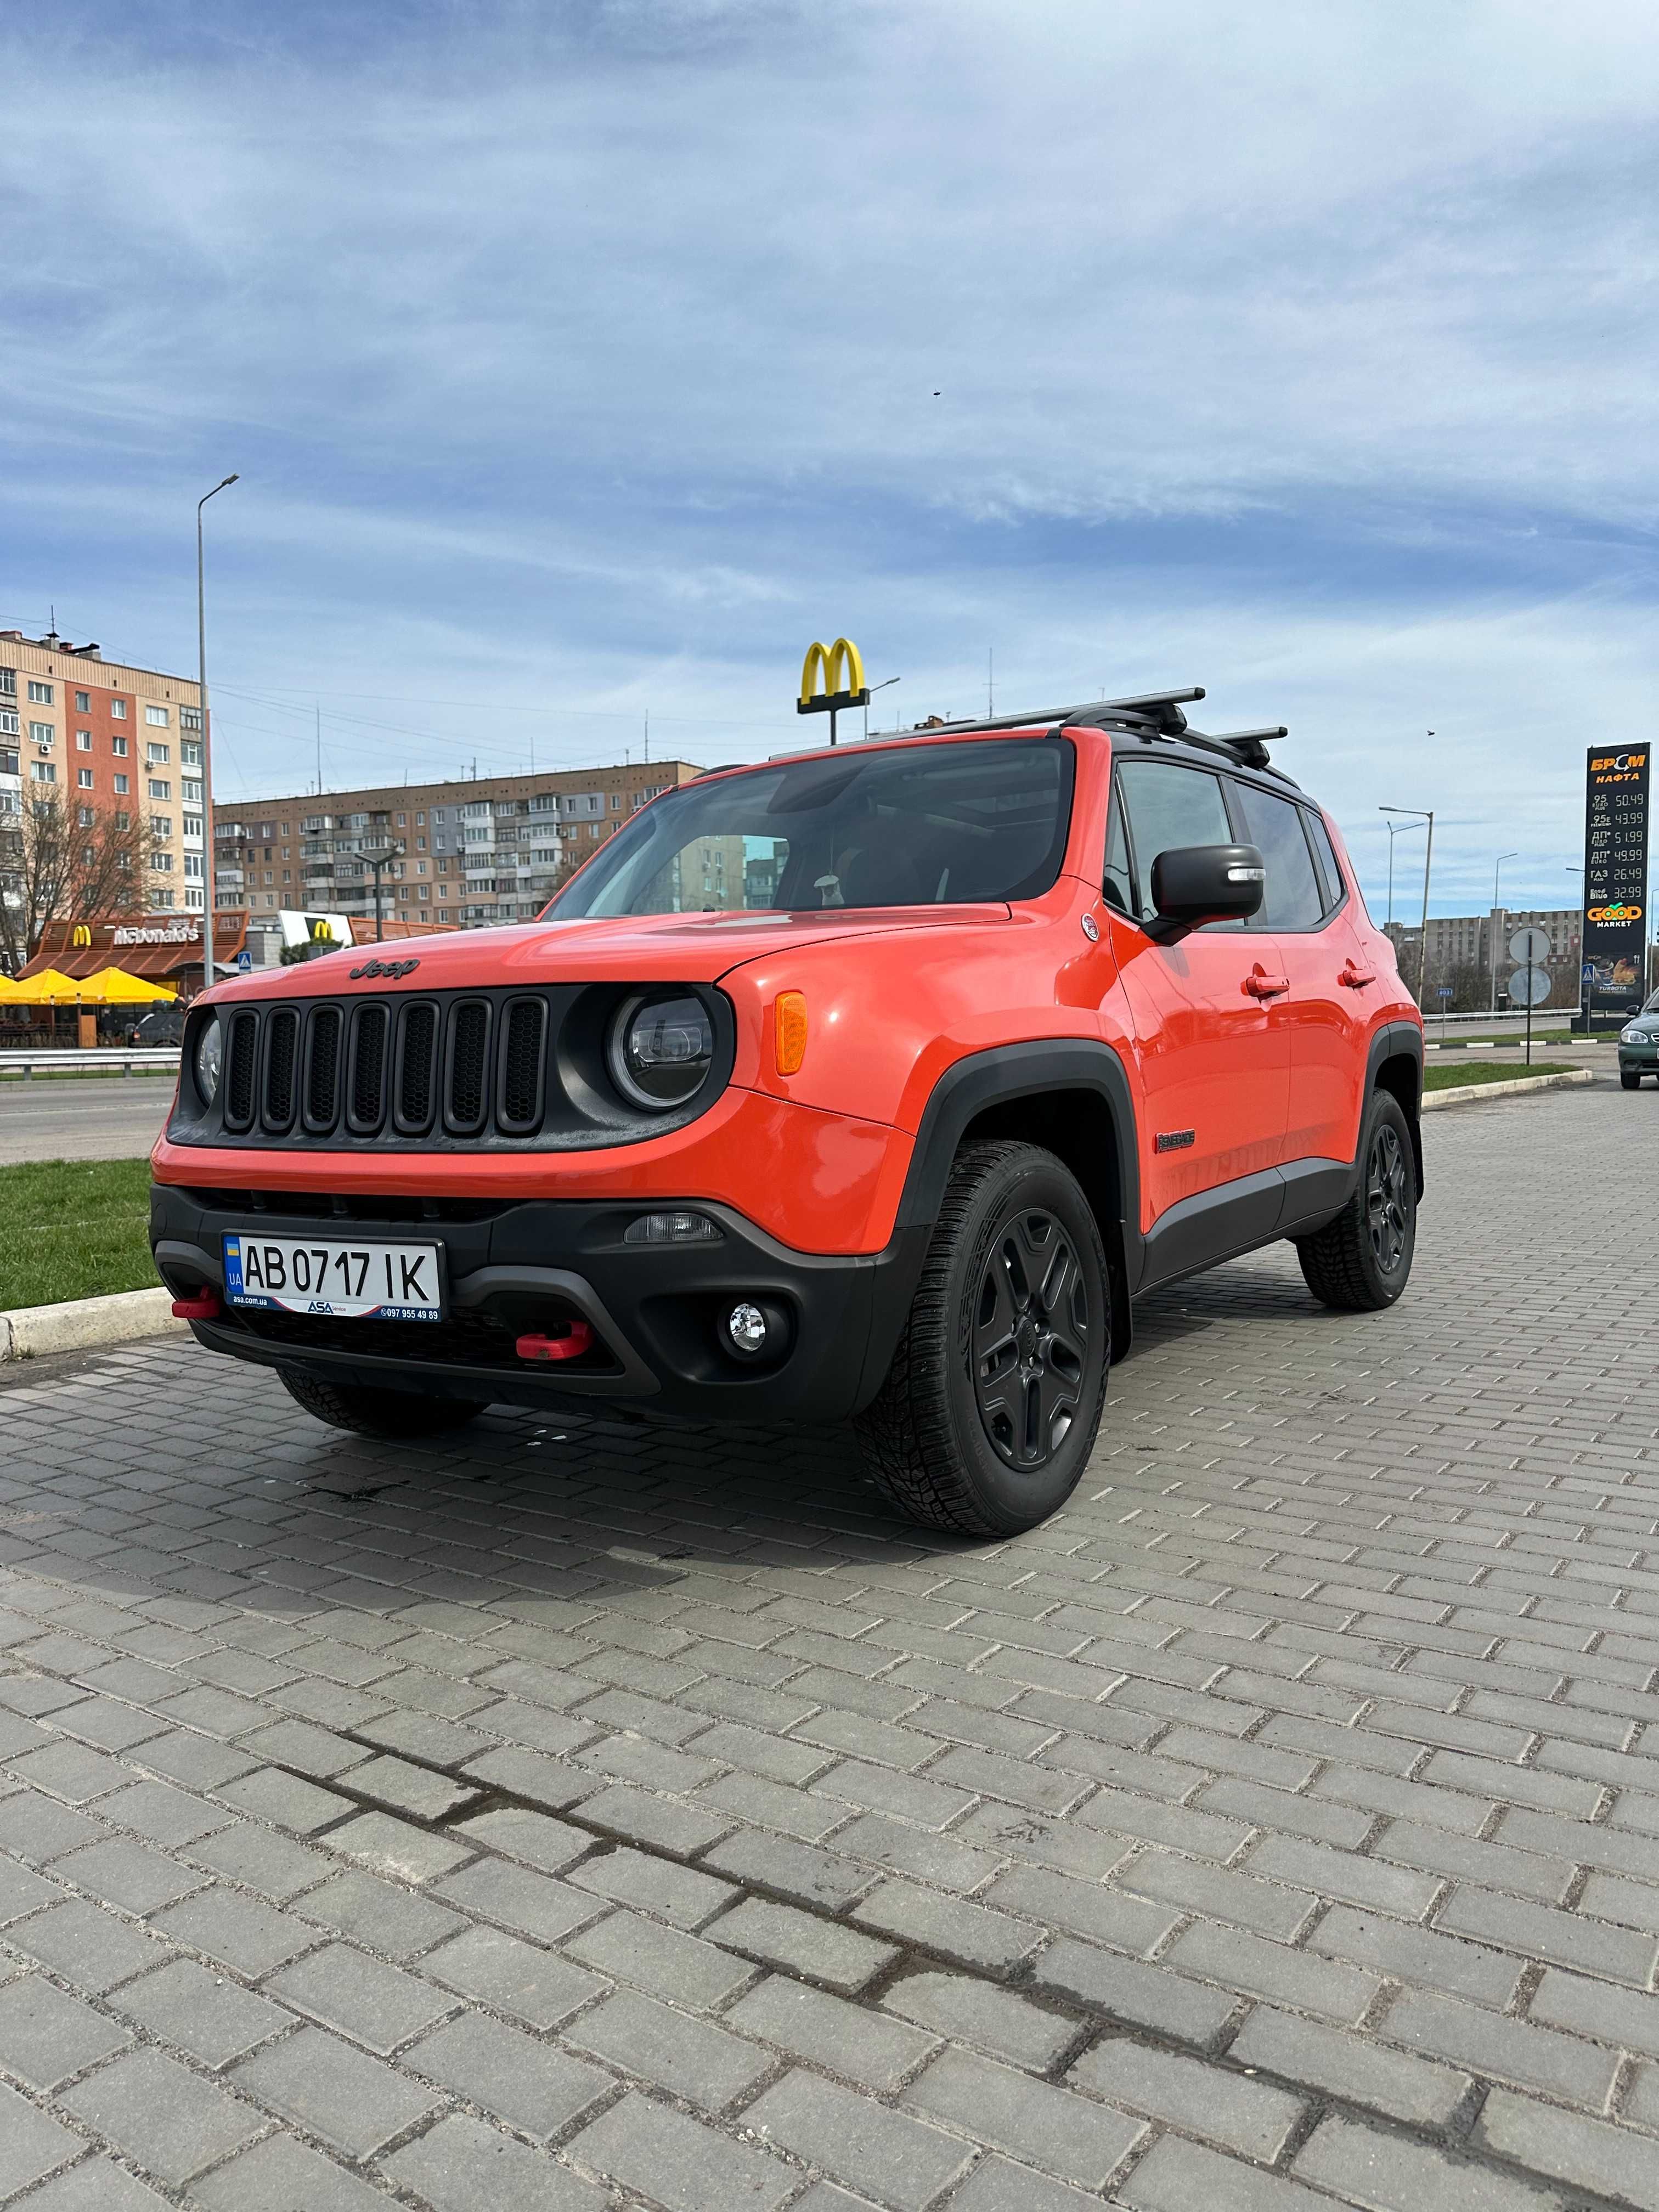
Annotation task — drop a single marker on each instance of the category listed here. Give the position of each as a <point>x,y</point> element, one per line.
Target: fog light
<point>746,1331</point>
<point>672,1229</point>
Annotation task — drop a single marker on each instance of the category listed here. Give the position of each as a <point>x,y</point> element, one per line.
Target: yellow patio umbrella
<point>113,986</point>
<point>47,988</point>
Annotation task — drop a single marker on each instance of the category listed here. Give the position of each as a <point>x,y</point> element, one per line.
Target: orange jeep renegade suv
<point>873,1084</point>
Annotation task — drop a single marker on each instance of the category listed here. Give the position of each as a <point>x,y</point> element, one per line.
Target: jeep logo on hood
<point>390,968</point>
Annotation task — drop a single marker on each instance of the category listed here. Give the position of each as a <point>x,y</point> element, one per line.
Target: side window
<point>1335,889</point>
<point>1168,806</point>
<point>1274,825</point>
<point>1118,889</point>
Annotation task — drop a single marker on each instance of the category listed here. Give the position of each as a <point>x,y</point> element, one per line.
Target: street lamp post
<point>209,889</point>
<point>1419,816</point>
<point>874,687</point>
<point>1497,865</point>
<point>1394,830</point>
<point>380,859</point>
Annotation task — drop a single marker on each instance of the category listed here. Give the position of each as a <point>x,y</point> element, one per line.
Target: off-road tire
<point>1341,1263</point>
<point>1629,1078</point>
<point>926,1445</point>
<point>371,1412</point>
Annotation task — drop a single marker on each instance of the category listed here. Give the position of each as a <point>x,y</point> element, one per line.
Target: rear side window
<point>1335,887</point>
<point>1168,806</point>
<point>1274,826</point>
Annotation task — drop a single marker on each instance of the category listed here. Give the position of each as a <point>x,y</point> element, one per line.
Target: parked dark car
<point>162,1025</point>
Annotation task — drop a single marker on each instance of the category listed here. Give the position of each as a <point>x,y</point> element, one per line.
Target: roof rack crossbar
<point>1161,708</point>
<point>1247,747</point>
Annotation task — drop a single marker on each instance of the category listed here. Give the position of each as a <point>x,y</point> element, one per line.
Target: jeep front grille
<point>469,1046</point>
<point>418,1053</point>
<point>520,1106</point>
<point>240,1061</point>
<point>509,1069</point>
<point>282,1051</point>
<point>369,1037</point>
<point>323,1069</point>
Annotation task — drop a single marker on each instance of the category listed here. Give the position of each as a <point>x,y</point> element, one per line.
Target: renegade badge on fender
<point>872,1084</point>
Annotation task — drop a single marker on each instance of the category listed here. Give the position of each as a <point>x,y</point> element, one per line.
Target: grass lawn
<point>1453,1074</point>
<point>73,1229</point>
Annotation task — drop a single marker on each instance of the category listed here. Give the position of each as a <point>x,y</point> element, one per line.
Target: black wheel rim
<point>1388,1199</point>
<point>1029,1349</point>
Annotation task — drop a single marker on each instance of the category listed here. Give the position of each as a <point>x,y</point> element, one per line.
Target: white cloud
<point>1305,352</point>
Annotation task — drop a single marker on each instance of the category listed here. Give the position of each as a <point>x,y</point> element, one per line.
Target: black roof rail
<point>1150,715</point>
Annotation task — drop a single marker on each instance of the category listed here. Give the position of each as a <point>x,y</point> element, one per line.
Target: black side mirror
<point>1195,884</point>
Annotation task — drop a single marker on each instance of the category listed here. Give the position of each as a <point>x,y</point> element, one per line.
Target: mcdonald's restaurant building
<point>167,948</point>
<point>162,948</point>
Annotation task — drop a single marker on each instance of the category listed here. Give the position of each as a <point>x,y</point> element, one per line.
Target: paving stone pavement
<point>573,1816</point>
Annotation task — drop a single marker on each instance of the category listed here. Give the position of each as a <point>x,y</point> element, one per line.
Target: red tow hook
<point>204,1306</point>
<point>575,1338</point>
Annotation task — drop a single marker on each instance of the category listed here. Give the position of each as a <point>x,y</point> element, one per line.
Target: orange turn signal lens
<point>789,1040</point>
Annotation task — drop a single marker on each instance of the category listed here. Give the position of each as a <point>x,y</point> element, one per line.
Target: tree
<point>60,861</point>
<point>1471,987</point>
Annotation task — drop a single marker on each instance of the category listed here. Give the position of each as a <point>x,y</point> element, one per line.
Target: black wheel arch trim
<point>1394,1043</point>
<point>1037,1069</point>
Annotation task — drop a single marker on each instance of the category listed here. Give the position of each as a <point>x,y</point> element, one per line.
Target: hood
<point>670,948</point>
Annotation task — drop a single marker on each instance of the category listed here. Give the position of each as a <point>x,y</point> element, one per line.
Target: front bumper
<point>519,1267</point>
<point>1642,1059</point>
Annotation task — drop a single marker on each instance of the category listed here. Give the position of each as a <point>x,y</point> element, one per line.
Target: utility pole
<point>210,889</point>
<point>990,682</point>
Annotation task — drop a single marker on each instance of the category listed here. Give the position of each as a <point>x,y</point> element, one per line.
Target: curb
<point>78,1324</point>
<point>1466,1093</point>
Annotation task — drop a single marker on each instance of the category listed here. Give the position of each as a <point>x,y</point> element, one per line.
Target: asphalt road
<point>565,1815</point>
<point>105,1117</point>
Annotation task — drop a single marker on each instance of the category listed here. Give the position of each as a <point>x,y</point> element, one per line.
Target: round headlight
<point>209,1060</point>
<point>660,1051</point>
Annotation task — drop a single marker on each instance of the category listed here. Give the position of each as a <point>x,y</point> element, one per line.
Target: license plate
<point>300,1275</point>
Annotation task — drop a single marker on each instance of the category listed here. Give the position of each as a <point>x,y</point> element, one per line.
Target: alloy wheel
<point>1387,1198</point>
<point>1030,1339</point>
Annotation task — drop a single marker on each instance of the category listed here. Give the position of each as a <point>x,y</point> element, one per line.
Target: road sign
<point>1528,987</point>
<point>244,962</point>
<point>1446,991</point>
<point>1530,945</point>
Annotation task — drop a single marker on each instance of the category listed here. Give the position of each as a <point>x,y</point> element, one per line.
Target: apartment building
<point>470,852</point>
<point>101,736</point>
<point>1461,948</point>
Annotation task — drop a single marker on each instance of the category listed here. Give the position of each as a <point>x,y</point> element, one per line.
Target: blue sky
<point>581,362</point>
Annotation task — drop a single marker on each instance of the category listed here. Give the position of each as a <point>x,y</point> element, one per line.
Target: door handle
<point>1265,986</point>
<point>1355,978</point>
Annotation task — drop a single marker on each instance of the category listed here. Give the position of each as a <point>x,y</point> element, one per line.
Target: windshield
<point>941,824</point>
<point>1652,1005</point>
